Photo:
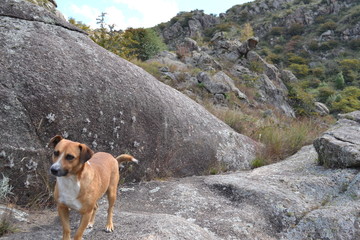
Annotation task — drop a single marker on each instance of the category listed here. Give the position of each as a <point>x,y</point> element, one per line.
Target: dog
<point>82,177</point>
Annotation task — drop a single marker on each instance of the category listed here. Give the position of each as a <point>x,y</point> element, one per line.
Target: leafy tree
<point>143,43</point>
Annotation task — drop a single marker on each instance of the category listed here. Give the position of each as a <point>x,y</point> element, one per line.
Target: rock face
<point>191,25</point>
<point>55,80</point>
<point>295,199</point>
<point>339,146</point>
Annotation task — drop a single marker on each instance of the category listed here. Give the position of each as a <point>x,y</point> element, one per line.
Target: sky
<point>137,13</point>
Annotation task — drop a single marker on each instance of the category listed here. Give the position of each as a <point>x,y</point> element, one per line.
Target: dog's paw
<point>90,225</point>
<point>109,228</point>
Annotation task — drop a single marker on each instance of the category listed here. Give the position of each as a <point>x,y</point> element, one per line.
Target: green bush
<point>300,70</point>
<point>339,81</point>
<point>297,59</point>
<point>354,44</point>
<point>348,102</point>
<point>325,93</point>
<point>302,101</point>
<point>318,72</point>
<point>330,25</point>
<point>295,29</point>
<point>277,31</point>
<point>328,45</point>
<point>313,45</point>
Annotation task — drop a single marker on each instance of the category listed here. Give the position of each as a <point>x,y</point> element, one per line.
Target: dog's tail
<point>126,158</point>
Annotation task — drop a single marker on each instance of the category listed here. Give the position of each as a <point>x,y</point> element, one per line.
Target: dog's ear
<point>55,140</point>
<point>85,153</point>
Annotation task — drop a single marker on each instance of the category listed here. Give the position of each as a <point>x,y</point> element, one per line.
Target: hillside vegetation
<point>318,41</point>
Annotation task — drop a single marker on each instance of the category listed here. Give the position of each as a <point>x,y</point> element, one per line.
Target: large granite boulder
<point>291,200</point>
<point>56,80</point>
<point>339,147</point>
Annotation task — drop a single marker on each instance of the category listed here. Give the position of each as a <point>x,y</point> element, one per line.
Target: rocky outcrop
<point>187,24</point>
<point>56,80</point>
<point>339,146</point>
<point>219,83</point>
<point>295,199</point>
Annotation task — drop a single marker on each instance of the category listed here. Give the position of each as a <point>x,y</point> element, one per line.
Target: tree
<point>339,81</point>
<point>142,43</point>
<point>246,32</point>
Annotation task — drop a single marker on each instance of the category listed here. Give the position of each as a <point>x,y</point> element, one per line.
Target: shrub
<point>277,31</point>
<point>350,69</point>
<point>330,25</point>
<point>295,29</point>
<point>313,45</point>
<point>302,101</point>
<point>325,93</point>
<point>274,58</point>
<point>297,59</point>
<point>354,44</point>
<point>328,45</point>
<point>318,72</point>
<point>256,66</point>
<point>300,70</point>
<point>349,101</point>
<point>339,81</point>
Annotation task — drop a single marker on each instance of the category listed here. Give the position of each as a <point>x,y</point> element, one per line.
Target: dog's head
<point>68,156</point>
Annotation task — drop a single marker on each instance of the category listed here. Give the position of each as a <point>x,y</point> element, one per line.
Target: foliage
<point>143,43</point>
<point>295,29</point>
<point>330,25</point>
<point>79,24</point>
<point>300,70</point>
<point>350,69</point>
<point>349,101</point>
<point>246,32</point>
<point>339,81</point>
<point>6,226</point>
<point>301,101</point>
<point>277,31</point>
<point>256,66</point>
<point>354,44</point>
<point>324,93</point>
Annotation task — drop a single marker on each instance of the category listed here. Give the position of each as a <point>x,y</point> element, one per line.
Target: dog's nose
<point>54,171</point>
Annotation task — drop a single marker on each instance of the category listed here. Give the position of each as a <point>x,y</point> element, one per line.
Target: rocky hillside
<point>317,40</point>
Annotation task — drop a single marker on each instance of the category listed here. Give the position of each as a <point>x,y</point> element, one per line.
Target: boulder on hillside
<point>56,80</point>
<point>220,83</point>
<point>339,147</point>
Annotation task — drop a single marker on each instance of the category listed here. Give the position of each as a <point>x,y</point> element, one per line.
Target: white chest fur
<point>69,189</point>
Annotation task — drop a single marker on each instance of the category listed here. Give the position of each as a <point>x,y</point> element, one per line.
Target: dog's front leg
<point>85,219</point>
<point>64,218</point>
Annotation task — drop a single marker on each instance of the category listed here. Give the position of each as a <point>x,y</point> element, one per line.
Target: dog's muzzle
<point>57,171</point>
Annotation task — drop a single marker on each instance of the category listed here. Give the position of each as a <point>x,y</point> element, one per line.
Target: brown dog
<point>82,178</point>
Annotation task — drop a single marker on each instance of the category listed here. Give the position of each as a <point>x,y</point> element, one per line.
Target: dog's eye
<point>56,153</point>
<point>69,157</point>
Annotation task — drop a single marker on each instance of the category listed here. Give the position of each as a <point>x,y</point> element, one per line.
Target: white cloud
<point>89,13</point>
<point>148,13</point>
<point>115,16</point>
<point>152,12</point>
